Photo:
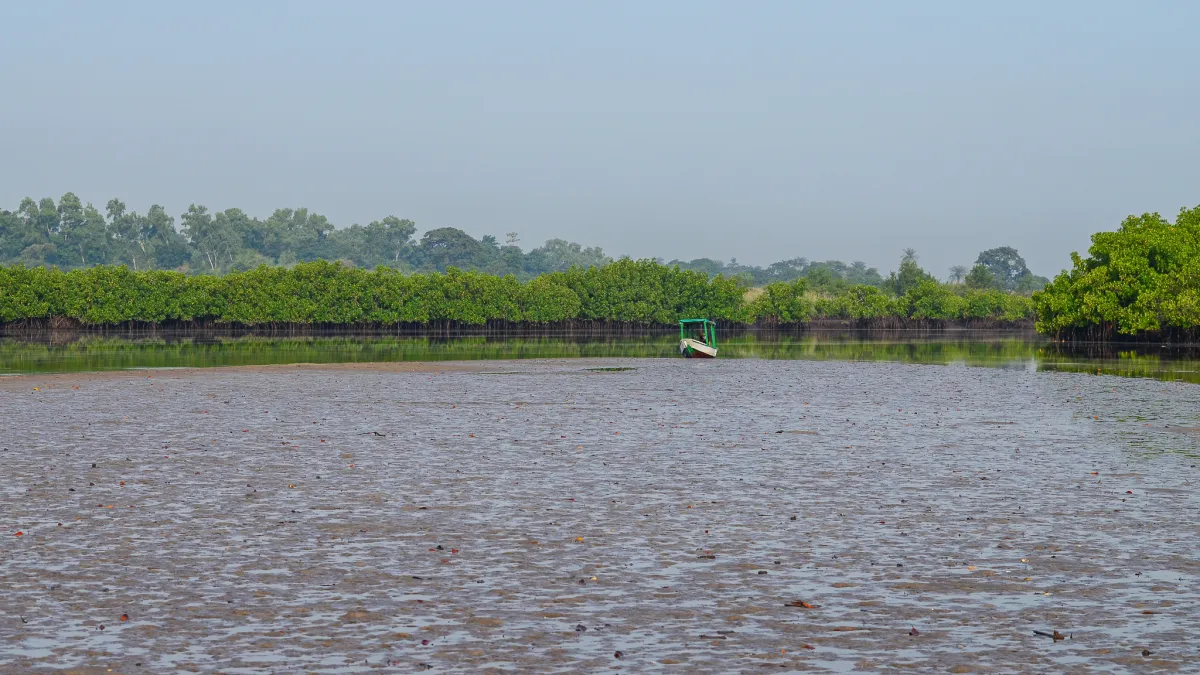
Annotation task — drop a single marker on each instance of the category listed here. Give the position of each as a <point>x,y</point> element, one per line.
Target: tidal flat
<point>598,515</point>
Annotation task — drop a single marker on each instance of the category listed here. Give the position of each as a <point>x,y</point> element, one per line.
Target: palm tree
<point>958,273</point>
<point>910,255</point>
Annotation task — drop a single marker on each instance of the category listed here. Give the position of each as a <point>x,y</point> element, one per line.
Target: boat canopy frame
<point>708,328</point>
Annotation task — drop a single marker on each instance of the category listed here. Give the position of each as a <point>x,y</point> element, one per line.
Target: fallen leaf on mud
<point>800,603</point>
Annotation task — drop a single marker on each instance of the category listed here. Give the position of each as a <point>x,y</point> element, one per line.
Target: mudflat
<point>580,516</point>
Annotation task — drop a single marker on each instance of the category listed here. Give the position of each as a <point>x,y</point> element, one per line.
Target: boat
<point>697,339</point>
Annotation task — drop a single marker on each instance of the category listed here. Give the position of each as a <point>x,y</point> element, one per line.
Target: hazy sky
<point>677,128</point>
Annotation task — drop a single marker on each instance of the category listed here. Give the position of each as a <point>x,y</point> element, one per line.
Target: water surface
<point>74,352</point>
<point>521,516</point>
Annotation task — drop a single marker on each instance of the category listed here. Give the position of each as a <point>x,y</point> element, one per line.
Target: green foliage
<point>72,235</point>
<point>1005,264</point>
<point>332,294</point>
<point>820,275</point>
<point>325,293</point>
<point>931,300</point>
<point>1142,279</point>
<point>928,300</point>
<point>981,276</point>
<point>859,303</point>
<point>909,276</point>
<point>783,302</point>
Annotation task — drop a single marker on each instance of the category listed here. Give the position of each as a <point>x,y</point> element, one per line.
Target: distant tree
<point>126,232</point>
<point>860,275</point>
<point>707,265</point>
<point>214,241</point>
<point>558,255</point>
<point>823,278</point>
<point>168,248</point>
<point>83,230</point>
<point>1030,282</point>
<point>981,277</point>
<point>785,270</point>
<point>13,233</point>
<point>72,234</point>
<point>38,254</point>
<point>448,247</point>
<point>1005,264</point>
<point>41,216</point>
<point>297,231</point>
<point>391,238</point>
<point>958,273</point>
<point>909,275</point>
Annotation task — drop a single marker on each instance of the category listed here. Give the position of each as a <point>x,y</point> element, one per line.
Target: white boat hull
<point>694,349</point>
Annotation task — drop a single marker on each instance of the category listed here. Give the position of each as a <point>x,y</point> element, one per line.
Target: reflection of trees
<point>51,353</point>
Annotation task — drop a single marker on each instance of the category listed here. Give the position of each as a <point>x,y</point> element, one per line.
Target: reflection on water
<point>74,352</point>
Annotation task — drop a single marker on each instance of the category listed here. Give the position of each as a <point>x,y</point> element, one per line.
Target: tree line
<point>323,293</point>
<point>1142,280</point>
<point>72,235</point>
<point>998,268</point>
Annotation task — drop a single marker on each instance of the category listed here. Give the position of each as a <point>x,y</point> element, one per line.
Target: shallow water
<point>331,521</point>
<point>74,352</point>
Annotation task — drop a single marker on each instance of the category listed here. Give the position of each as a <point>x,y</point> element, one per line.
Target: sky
<point>758,130</point>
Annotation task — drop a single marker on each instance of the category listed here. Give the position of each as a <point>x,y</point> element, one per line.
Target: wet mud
<point>556,516</point>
